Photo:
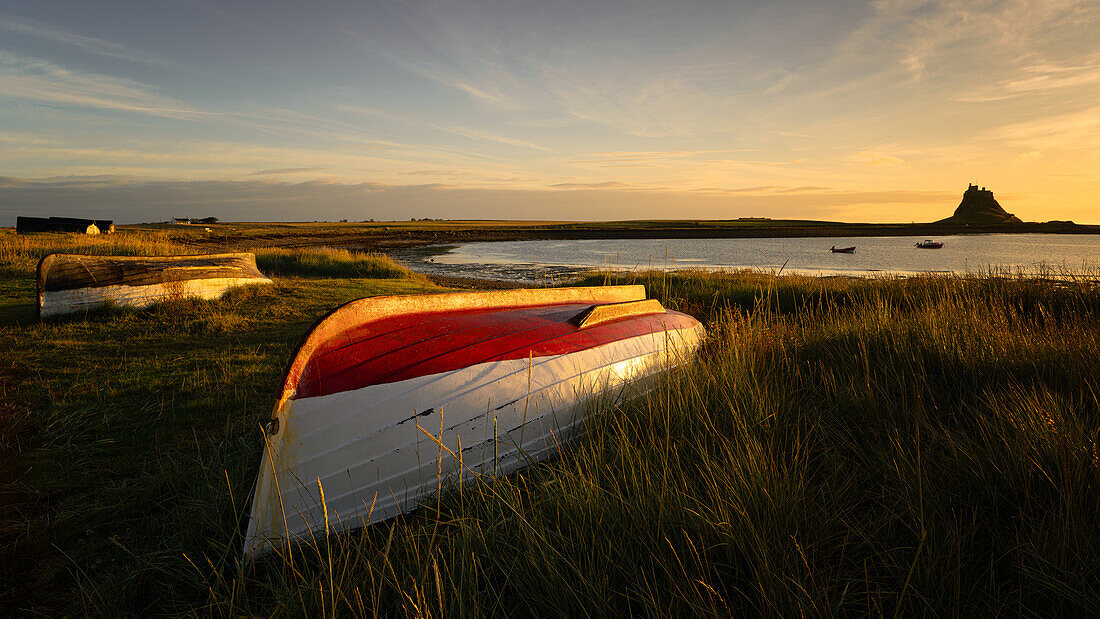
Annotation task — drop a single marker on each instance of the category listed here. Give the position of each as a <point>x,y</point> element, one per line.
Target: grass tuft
<point>329,262</point>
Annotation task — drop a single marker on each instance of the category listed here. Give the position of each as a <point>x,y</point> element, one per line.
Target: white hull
<point>370,449</point>
<point>58,302</point>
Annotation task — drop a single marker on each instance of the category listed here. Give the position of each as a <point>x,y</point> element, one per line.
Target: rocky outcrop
<point>979,207</point>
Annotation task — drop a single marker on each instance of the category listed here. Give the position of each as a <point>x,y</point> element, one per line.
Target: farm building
<point>24,225</point>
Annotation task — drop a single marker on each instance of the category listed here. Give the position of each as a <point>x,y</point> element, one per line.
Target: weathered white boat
<point>389,396</point>
<point>76,282</point>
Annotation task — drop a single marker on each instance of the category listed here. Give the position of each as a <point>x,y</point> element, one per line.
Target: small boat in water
<point>70,283</point>
<point>387,398</point>
<point>929,244</point>
<point>843,250</point>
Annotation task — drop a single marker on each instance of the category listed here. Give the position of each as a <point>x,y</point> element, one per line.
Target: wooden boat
<point>843,250</point>
<point>76,282</point>
<point>388,397</point>
<point>929,244</point>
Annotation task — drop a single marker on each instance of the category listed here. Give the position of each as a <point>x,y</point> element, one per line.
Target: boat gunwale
<point>372,309</point>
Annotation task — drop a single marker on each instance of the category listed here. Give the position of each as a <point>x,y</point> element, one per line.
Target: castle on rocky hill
<point>979,207</point>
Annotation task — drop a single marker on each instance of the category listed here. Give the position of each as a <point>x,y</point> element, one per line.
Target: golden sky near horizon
<point>854,111</point>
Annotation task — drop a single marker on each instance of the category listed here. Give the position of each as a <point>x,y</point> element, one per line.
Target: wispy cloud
<point>767,190</point>
<point>876,158</point>
<point>84,43</point>
<point>601,185</point>
<point>285,171</point>
<point>1077,130</point>
<point>647,156</point>
<point>486,136</point>
<point>1041,79</point>
<point>128,200</point>
<point>45,82</point>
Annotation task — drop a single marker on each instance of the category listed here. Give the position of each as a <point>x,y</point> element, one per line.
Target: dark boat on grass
<point>843,250</point>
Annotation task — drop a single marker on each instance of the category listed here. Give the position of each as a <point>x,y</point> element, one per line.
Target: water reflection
<point>552,261</point>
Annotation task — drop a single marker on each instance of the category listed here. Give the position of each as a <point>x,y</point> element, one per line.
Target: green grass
<point>863,447</point>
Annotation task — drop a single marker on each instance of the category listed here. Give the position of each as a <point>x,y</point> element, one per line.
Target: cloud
<point>44,82</point>
<point>1042,79</point>
<point>805,189</point>
<point>130,200</point>
<point>603,185</point>
<point>876,159</point>
<point>285,171</point>
<point>1075,131</point>
<point>974,52</point>
<point>767,190</point>
<point>655,157</point>
<point>1052,77</point>
<point>92,45</point>
<point>486,136</point>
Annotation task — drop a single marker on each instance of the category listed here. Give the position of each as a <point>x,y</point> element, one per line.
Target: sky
<point>270,110</point>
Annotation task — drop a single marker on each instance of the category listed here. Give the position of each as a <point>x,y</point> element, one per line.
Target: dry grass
<point>329,262</point>
<point>20,253</point>
<point>867,447</point>
<point>871,447</point>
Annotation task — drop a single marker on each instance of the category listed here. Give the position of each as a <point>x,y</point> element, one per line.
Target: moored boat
<point>388,397</point>
<point>929,244</point>
<point>843,250</point>
<point>70,283</point>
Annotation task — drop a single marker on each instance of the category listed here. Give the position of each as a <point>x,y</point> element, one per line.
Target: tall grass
<point>865,447</point>
<point>20,253</point>
<point>920,446</point>
<point>329,262</point>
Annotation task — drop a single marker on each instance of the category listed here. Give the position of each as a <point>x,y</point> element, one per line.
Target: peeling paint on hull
<point>70,301</point>
<point>69,283</point>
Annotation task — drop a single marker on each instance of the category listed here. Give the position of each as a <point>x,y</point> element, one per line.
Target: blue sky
<point>879,111</point>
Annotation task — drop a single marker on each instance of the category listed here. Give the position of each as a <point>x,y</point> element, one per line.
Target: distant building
<point>181,220</point>
<point>26,225</point>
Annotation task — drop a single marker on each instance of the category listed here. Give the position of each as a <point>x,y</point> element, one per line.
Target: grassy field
<point>390,234</point>
<point>841,446</point>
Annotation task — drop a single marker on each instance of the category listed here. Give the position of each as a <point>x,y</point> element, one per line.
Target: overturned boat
<point>70,283</point>
<point>389,397</point>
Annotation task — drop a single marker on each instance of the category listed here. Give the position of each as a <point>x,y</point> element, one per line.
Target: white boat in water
<point>389,397</point>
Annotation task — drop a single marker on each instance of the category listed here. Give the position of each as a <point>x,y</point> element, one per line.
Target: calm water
<point>543,260</point>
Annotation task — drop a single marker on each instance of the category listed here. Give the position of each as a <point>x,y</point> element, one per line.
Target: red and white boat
<point>389,397</point>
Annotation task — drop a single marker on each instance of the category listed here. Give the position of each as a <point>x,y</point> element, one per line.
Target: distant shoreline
<point>381,236</point>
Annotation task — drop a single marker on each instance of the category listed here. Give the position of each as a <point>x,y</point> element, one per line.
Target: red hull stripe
<point>414,345</point>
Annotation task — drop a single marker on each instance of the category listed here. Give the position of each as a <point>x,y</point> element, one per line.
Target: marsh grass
<point>20,253</point>
<point>876,447</point>
<point>329,262</point>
